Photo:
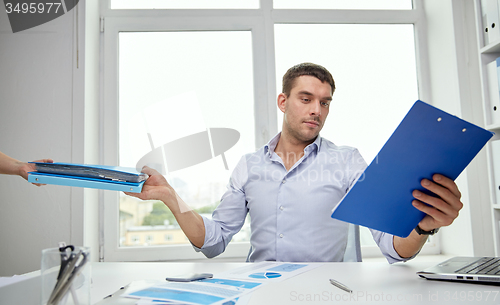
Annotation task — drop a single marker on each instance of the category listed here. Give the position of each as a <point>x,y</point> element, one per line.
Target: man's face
<point>306,108</point>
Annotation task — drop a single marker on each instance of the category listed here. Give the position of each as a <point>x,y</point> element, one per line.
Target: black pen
<point>340,285</point>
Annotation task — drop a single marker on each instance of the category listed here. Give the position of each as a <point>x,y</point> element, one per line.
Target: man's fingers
<point>148,170</point>
<point>438,217</point>
<point>449,197</point>
<point>447,183</point>
<point>141,195</point>
<point>44,161</point>
<point>435,203</point>
<point>443,208</point>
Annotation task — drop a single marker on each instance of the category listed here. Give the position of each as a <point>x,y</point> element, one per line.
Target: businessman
<point>11,166</point>
<point>290,186</point>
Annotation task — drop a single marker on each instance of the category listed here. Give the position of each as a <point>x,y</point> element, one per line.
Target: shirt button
<point>284,181</point>
<point>281,235</point>
<point>281,208</point>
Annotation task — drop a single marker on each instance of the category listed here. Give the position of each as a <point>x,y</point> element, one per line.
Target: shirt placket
<point>283,217</point>
<point>281,212</point>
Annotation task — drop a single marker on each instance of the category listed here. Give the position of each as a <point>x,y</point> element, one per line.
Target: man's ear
<point>282,102</point>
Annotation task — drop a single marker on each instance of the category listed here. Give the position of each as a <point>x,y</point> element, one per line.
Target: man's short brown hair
<point>306,68</point>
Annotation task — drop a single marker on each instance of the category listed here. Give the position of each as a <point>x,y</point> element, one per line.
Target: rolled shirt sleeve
<point>385,242</point>
<point>229,216</point>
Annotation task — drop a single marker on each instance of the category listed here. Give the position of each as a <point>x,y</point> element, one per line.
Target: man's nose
<point>315,108</point>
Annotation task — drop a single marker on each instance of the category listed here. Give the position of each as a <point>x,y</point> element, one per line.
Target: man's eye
<point>325,104</point>
<point>306,100</point>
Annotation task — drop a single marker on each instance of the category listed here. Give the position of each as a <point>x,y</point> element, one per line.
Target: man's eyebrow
<point>303,92</point>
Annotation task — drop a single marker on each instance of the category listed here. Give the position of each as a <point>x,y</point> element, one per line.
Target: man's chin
<point>306,135</point>
<point>310,137</point>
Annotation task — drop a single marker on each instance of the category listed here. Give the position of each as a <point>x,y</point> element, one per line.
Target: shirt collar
<point>271,145</point>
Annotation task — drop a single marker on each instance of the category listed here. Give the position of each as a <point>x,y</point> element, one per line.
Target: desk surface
<point>372,282</point>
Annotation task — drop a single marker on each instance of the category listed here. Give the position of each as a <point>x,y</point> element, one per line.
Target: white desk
<point>378,283</point>
<point>372,282</point>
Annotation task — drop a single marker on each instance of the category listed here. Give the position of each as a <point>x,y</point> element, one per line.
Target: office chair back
<point>353,249</point>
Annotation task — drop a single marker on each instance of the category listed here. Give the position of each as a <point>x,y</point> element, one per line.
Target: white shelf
<point>491,48</point>
<point>488,54</point>
<point>493,127</point>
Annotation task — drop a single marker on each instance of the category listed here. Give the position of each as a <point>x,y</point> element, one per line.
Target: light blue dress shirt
<point>290,210</point>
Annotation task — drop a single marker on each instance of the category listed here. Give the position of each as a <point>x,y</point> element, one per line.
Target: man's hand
<point>442,210</point>
<point>156,187</point>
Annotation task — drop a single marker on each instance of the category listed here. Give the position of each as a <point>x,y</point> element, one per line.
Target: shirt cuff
<point>393,256</point>
<point>207,233</point>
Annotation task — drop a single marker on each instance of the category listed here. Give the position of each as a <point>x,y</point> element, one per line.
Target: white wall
<point>41,116</point>
<point>454,69</point>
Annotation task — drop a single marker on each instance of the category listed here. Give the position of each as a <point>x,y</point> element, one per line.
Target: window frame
<point>261,24</point>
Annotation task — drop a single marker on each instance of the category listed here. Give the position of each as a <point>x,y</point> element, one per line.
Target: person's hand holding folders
<point>114,178</point>
<point>11,166</point>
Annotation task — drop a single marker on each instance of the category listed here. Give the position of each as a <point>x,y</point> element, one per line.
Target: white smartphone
<point>190,277</point>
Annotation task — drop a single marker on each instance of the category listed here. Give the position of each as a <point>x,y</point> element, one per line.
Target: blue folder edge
<point>43,178</point>
<point>427,141</point>
<point>127,170</point>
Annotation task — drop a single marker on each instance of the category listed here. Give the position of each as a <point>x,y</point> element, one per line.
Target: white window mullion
<point>422,53</point>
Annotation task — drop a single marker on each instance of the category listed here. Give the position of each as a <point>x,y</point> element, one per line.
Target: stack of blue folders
<point>114,178</point>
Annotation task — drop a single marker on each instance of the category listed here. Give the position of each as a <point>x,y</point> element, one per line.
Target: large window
<point>374,68</point>
<point>171,74</point>
<point>173,88</point>
<point>343,4</point>
<point>375,89</point>
<point>184,4</point>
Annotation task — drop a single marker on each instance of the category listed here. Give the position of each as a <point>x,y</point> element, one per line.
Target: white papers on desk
<point>213,291</point>
<point>225,288</point>
<point>265,272</point>
<point>241,300</point>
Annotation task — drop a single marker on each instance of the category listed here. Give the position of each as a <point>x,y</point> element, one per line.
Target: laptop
<point>484,270</point>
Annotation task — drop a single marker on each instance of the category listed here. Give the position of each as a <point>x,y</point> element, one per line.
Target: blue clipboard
<point>428,141</point>
<point>44,178</point>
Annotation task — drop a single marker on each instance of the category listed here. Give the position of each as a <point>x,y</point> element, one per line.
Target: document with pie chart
<point>269,271</point>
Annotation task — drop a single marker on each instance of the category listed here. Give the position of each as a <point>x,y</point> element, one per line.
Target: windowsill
<point>434,258</point>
